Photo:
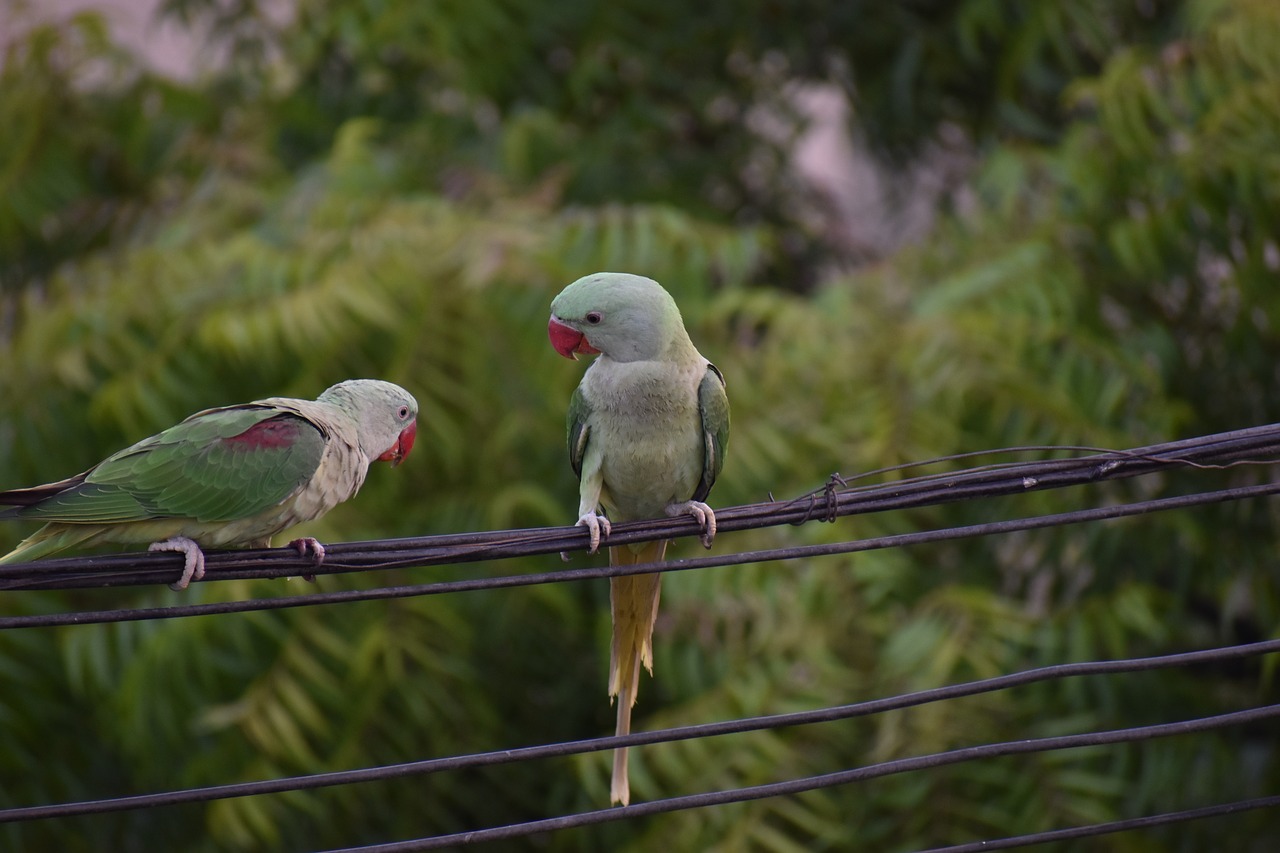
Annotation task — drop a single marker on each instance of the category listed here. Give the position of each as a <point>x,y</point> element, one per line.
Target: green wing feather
<point>579,432</point>
<point>713,406</point>
<point>217,465</point>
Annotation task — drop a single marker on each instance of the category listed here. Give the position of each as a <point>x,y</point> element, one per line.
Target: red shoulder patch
<point>273,434</point>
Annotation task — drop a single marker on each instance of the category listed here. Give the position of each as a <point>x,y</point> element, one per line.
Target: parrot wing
<point>713,407</point>
<point>217,465</point>
<point>579,432</point>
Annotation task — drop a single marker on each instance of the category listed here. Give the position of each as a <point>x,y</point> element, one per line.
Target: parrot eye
<point>594,318</point>
<point>404,412</point>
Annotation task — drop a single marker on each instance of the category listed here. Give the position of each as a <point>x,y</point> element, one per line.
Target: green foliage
<point>397,190</point>
<point>653,102</point>
<point>88,141</point>
<point>1171,196</point>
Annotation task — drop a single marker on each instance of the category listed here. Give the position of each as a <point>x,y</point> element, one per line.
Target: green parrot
<point>226,477</point>
<point>648,428</point>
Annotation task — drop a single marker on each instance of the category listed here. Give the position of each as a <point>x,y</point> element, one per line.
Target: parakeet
<point>226,477</point>
<point>648,428</point>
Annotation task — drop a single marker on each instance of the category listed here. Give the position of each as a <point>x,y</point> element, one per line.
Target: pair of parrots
<point>648,427</point>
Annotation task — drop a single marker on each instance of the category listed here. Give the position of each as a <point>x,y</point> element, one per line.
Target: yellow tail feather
<point>634,601</point>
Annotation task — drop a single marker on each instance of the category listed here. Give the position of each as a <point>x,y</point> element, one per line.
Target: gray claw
<point>193,565</point>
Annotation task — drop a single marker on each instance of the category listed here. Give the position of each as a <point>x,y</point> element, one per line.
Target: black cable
<point>1256,445</point>
<point>565,575</point>
<point>556,750</point>
<point>1111,826</point>
<point>828,780</point>
<point>835,499</point>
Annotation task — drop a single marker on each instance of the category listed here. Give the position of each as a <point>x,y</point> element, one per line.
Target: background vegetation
<point>398,190</point>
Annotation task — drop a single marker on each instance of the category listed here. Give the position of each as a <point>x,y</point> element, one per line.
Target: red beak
<point>567,340</point>
<point>404,443</point>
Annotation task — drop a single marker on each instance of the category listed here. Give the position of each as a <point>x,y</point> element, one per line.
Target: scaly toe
<point>598,527</point>
<point>705,516</point>
<point>193,559</point>
<point>309,545</point>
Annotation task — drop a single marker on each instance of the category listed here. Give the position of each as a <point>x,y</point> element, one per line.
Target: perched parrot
<point>648,427</point>
<point>227,477</point>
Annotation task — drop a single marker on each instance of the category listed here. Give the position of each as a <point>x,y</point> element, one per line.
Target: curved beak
<point>567,340</point>
<point>404,443</point>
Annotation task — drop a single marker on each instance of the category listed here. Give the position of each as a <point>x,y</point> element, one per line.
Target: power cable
<point>557,750</point>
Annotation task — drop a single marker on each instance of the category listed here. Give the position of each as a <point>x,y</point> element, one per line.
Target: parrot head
<point>386,416</point>
<point>626,317</point>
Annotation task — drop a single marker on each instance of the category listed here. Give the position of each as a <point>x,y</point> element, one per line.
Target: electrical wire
<point>703,730</point>
<point>828,780</point>
<point>1256,445</point>
<point>900,540</point>
<point>1111,826</point>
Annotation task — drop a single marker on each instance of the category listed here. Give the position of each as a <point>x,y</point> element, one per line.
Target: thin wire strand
<point>703,730</point>
<point>1038,448</point>
<point>1111,826</point>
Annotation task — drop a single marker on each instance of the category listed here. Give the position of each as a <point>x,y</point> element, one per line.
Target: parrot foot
<point>305,544</point>
<point>705,515</point>
<point>193,569</point>
<point>598,526</point>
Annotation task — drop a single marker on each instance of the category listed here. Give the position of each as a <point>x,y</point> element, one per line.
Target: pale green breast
<point>646,427</point>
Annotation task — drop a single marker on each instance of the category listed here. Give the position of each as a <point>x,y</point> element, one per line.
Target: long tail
<point>36,494</point>
<point>50,539</point>
<point>634,602</point>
